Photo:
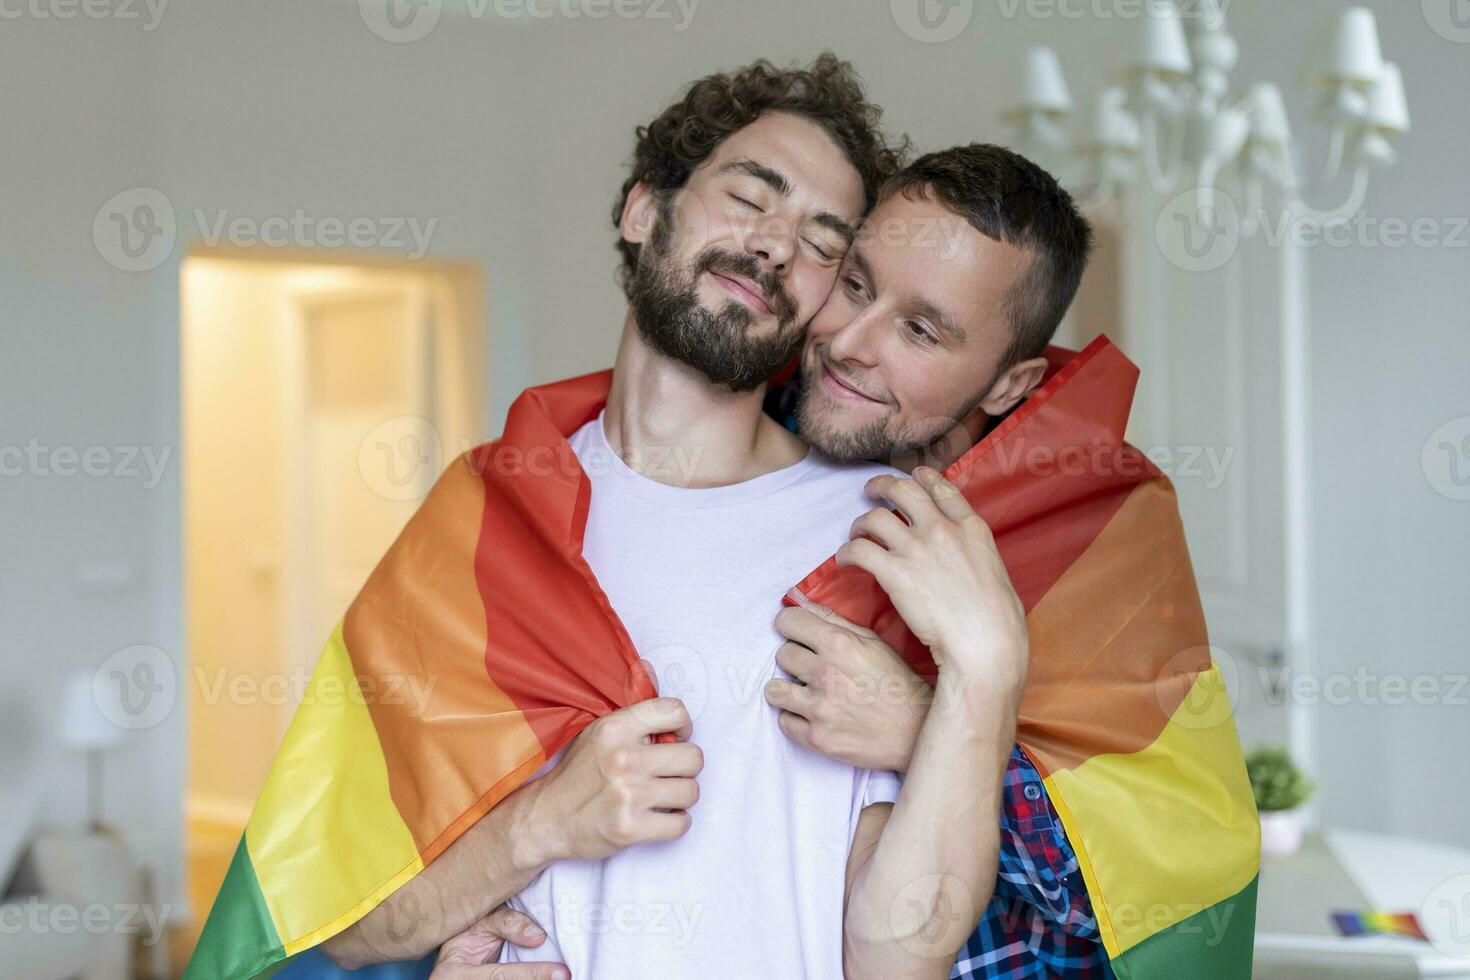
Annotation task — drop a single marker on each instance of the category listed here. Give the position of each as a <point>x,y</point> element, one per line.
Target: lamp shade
<point>1269,122</point>
<point>1388,108</point>
<point>1203,17</point>
<point>1355,55</point>
<point>1043,86</point>
<point>1113,127</point>
<point>1163,46</point>
<point>83,722</point>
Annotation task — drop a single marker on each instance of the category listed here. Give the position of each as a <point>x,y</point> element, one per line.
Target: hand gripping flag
<point>486,604</point>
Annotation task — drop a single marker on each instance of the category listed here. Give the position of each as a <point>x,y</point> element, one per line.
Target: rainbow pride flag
<point>486,604</point>
<point>1351,923</point>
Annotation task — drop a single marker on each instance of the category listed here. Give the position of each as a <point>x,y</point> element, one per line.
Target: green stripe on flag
<point>1217,943</point>
<point>239,938</point>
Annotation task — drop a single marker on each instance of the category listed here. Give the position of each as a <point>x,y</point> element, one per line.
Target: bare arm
<point>614,787</point>
<point>923,875</point>
<point>919,875</point>
<point>488,864</point>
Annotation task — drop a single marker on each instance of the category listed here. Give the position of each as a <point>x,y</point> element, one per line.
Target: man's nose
<point>772,241</point>
<point>857,340</point>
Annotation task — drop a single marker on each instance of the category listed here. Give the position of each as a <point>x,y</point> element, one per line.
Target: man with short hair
<point>934,332</point>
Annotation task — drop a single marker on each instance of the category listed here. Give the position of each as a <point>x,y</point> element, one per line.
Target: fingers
<point>673,794</point>
<point>517,927</point>
<point>867,555</point>
<point>906,497</point>
<point>946,496</point>
<point>655,715</point>
<point>795,727</point>
<point>790,697</point>
<point>883,526</point>
<point>667,826</point>
<point>835,618</point>
<point>797,660</point>
<point>676,759</point>
<point>817,630</point>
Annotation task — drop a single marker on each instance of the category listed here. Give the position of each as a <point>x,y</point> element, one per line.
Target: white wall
<point>513,137</point>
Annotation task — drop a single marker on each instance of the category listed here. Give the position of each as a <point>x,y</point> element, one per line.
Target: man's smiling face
<point>735,263</point>
<point>912,339</point>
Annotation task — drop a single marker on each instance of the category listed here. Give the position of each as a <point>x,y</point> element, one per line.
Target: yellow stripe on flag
<point>325,836</point>
<point>1168,831</point>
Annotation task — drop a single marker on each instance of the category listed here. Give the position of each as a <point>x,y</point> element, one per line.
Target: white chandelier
<point>1174,125</point>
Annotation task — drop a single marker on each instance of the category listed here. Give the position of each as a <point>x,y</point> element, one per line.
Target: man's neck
<point>666,421</point>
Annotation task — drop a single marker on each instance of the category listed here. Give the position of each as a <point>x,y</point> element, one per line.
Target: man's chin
<point>842,431</point>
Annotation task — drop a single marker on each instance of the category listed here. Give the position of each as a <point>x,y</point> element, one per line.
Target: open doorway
<point>321,399</point>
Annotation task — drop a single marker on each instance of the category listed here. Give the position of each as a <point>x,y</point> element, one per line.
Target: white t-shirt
<point>754,889</point>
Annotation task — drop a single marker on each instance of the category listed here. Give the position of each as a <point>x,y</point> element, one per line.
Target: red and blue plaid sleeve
<point>1039,924</point>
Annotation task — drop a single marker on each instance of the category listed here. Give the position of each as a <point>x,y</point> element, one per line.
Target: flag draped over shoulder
<point>1125,714</point>
<point>486,609</point>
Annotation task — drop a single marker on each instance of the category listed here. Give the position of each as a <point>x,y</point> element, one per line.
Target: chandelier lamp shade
<point>1172,122</point>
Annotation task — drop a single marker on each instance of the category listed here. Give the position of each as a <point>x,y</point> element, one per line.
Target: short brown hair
<point>1007,198</point>
<point>828,91</point>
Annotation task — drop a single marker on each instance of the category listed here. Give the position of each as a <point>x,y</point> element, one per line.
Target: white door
<point>364,444</point>
<point>1207,333</point>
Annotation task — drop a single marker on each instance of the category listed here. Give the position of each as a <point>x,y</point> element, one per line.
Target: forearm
<point>916,899</point>
<point>488,864</point>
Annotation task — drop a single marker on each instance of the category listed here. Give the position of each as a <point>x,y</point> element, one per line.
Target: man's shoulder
<point>846,473</point>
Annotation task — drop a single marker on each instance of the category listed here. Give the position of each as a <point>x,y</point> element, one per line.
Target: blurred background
<point>266,267</point>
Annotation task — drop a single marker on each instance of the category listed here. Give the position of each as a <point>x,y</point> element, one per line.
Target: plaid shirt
<point>1039,923</point>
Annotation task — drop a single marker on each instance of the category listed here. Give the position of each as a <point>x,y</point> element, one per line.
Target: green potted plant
<point>1280,789</point>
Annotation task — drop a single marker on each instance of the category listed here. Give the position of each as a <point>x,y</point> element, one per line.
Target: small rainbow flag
<point>1350,923</point>
<point>485,602</point>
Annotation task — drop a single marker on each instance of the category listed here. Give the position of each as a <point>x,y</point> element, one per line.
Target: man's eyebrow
<point>928,310</point>
<point>836,225</point>
<point>773,178</point>
<point>777,181</point>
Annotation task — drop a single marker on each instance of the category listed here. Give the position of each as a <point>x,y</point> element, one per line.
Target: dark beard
<point>716,344</point>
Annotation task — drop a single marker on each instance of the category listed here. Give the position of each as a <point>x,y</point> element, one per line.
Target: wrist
<point>918,701</point>
<point>534,836</point>
<point>980,697</point>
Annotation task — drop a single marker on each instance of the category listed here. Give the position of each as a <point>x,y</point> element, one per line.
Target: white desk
<point>1295,938</point>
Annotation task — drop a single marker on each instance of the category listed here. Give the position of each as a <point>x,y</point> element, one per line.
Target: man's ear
<point>1014,383</point>
<point>640,211</point>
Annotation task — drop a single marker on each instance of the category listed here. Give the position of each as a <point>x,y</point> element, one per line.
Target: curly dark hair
<point>828,91</point>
